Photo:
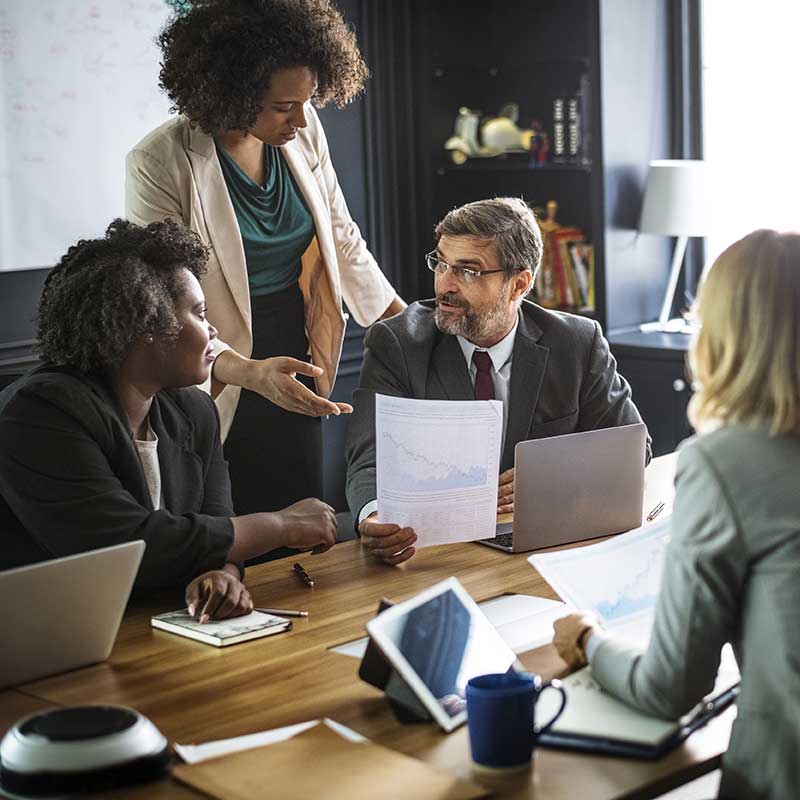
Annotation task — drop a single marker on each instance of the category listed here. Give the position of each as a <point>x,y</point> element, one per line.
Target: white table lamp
<point>675,204</point>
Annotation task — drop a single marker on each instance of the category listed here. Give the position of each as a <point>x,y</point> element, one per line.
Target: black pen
<point>303,575</point>
<point>655,512</point>
<point>282,612</point>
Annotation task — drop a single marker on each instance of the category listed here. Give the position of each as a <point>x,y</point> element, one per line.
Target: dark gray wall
<point>346,132</point>
<point>345,129</point>
<point>636,130</point>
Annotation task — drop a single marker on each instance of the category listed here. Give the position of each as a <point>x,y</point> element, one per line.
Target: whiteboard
<point>78,88</point>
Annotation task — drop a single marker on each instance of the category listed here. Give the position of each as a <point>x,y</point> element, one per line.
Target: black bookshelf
<point>430,58</point>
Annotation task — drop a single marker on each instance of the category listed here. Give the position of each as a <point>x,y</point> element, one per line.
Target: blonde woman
<point>732,571</point>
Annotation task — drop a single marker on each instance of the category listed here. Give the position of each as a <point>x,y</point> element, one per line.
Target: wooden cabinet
<point>655,366</point>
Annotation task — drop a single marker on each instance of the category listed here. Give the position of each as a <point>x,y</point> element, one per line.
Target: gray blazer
<point>563,379</point>
<point>732,574</point>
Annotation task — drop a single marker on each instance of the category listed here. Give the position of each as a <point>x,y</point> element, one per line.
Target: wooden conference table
<point>195,693</point>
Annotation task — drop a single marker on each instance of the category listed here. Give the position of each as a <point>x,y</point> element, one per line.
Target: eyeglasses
<point>464,274</point>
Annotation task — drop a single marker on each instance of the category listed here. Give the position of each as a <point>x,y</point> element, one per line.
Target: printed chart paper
<point>438,463</point>
<point>618,579</point>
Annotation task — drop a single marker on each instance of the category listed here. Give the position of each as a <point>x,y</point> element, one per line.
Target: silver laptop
<point>575,487</point>
<point>64,613</point>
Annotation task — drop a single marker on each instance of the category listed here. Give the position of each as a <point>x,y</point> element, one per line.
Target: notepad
<point>341,770</point>
<point>596,721</point>
<point>221,633</point>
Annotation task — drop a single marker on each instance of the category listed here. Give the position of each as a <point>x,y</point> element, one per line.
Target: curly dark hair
<point>219,57</point>
<point>106,293</point>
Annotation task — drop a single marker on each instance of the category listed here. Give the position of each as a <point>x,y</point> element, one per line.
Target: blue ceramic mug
<point>501,714</point>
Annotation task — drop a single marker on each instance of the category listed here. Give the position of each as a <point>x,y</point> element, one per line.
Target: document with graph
<point>437,466</point>
<point>617,579</point>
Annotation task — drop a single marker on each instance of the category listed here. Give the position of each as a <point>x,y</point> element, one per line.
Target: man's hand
<point>309,525</point>
<point>505,492</point>
<point>389,543</point>
<point>275,379</point>
<point>217,595</point>
<point>572,634</point>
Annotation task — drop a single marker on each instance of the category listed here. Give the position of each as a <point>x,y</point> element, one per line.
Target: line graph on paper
<point>619,579</point>
<point>419,458</point>
<point>412,465</point>
<point>642,568</point>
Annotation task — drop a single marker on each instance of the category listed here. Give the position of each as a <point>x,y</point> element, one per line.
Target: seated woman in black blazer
<point>108,440</point>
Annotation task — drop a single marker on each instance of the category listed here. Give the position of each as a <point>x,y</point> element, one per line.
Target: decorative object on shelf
<point>676,203</point>
<point>566,274</point>
<point>494,136</point>
<point>545,287</point>
<point>539,145</point>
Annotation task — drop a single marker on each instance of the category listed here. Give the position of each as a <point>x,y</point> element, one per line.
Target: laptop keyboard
<point>503,539</point>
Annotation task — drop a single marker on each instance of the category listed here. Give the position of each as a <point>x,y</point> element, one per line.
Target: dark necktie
<point>484,385</point>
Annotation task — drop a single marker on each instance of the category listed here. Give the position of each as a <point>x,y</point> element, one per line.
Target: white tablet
<point>437,641</point>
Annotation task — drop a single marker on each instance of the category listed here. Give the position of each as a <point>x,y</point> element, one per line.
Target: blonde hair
<point>746,357</point>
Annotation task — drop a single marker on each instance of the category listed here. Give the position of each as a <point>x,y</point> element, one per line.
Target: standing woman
<point>246,165</point>
<point>732,566</point>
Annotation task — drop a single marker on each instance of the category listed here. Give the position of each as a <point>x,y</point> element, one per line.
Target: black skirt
<point>274,456</point>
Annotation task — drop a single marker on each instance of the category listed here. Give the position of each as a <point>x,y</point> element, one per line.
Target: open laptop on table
<point>64,613</point>
<point>575,487</point>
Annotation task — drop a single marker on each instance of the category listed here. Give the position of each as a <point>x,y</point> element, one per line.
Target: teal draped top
<point>274,220</point>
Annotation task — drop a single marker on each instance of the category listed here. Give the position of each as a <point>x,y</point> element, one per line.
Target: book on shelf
<point>578,124</point>
<point>224,632</point>
<point>559,152</point>
<point>567,282</point>
<point>582,256</point>
<point>566,274</point>
<point>571,124</point>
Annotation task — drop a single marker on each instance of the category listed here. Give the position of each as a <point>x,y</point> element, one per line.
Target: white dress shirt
<point>500,354</point>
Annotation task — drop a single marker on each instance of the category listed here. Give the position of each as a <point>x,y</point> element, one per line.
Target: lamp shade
<point>676,199</point>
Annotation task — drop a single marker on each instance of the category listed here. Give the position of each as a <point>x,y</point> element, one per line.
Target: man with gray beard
<point>479,339</point>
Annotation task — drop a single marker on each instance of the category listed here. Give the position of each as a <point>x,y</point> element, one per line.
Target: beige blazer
<point>174,172</point>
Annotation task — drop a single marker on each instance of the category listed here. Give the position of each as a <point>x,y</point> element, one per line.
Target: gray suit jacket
<point>563,379</point>
<point>732,574</point>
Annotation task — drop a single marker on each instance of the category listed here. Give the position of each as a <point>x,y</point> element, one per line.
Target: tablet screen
<point>445,639</point>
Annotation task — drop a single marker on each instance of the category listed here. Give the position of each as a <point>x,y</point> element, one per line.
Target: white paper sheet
<point>618,579</point>
<point>523,621</point>
<point>437,466</point>
<point>194,753</point>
